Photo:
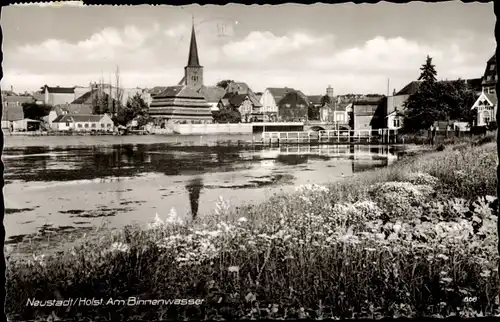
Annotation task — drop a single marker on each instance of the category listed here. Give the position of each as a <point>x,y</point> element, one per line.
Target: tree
<point>224,83</point>
<point>428,72</point>
<point>136,108</point>
<point>439,101</point>
<point>326,100</point>
<point>34,111</point>
<point>227,116</point>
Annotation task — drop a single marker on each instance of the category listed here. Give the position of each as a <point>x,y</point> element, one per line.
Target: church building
<point>184,103</point>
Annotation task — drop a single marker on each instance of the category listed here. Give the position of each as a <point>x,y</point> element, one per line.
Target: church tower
<point>193,72</point>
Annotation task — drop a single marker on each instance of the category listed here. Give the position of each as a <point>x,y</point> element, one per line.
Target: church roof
<point>193,59</point>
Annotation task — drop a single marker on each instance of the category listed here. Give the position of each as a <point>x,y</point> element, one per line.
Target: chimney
<point>393,92</point>
<point>11,88</point>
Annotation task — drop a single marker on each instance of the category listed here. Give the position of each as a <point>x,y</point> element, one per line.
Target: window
<point>80,125</point>
<point>109,125</point>
<point>488,78</point>
<point>396,122</point>
<point>102,124</point>
<point>94,125</point>
<point>492,67</point>
<point>486,117</point>
<point>492,90</point>
<point>67,123</point>
<point>340,117</point>
<point>86,125</point>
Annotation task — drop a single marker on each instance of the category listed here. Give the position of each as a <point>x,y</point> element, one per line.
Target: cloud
<point>108,44</point>
<point>155,55</point>
<point>259,46</point>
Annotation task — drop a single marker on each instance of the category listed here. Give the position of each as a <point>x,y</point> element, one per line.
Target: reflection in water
<point>149,178</point>
<point>91,162</point>
<point>194,187</point>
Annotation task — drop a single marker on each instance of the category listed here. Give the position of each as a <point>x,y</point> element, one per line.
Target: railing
<point>381,136</point>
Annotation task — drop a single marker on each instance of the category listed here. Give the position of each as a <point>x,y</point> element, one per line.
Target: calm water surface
<point>83,185</point>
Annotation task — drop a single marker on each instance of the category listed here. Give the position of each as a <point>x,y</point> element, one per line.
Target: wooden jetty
<point>381,136</point>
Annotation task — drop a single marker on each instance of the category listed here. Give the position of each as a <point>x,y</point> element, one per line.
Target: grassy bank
<point>413,239</point>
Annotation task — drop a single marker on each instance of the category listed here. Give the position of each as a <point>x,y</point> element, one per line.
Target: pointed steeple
<point>193,60</point>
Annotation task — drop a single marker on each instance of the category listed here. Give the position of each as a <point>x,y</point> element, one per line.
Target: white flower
<point>121,247</point>
<point>242,219</point>
<point>234,269</point>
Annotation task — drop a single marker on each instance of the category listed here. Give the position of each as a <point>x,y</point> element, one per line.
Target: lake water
<point>82,185</point>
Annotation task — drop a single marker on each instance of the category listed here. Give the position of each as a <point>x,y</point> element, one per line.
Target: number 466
<point>470,299</point>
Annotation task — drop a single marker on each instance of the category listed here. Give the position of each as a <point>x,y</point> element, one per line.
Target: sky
<point>364,48</point>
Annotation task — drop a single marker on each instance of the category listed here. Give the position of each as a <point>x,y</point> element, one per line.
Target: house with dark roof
<point>487,102</point>
<point>490,76</point>
<point>183,103</point>
<point>270,99</point>
<point>65,109</point>
<point>396,103</point>
<point>249,107</point>
<point>293,107</point>
<point>83,123</point>
<point>58,95</point>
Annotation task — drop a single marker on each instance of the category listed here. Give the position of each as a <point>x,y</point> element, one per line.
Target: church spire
<point>193,60</point>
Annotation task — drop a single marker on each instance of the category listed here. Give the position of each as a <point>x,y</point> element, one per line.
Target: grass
<point>412,239</point>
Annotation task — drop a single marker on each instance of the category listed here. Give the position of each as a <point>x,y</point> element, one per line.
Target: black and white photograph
<point>231,162</point>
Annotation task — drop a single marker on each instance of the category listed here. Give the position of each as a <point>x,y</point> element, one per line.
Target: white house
<point>395,120</point>
<point>270,99</point>
<point>83,123</point>
<point>486,106</point>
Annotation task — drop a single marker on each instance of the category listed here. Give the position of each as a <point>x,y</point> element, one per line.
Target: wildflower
<point>485,273</point>
<point>446,280</point>
<point>242,219</point>
<point>233,269</point>
<point>442,256</point>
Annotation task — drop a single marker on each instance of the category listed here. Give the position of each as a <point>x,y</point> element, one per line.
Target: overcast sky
<point>353,48</point>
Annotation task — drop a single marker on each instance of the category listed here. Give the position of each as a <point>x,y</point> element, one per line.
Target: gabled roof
<point>88,96</point>
<point>409,89</point>
<point>12,113</point>
<point>78,118</point>
<point>212,94</point>
<point>72,109</point>
<point>279,92</point>
<point>315,99</point>
<point>157,90</point>
<point>59,90</point>
<point>296,97</point>
<point>238,99</point>
<point>490,98</point>
<point>180,91</point>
